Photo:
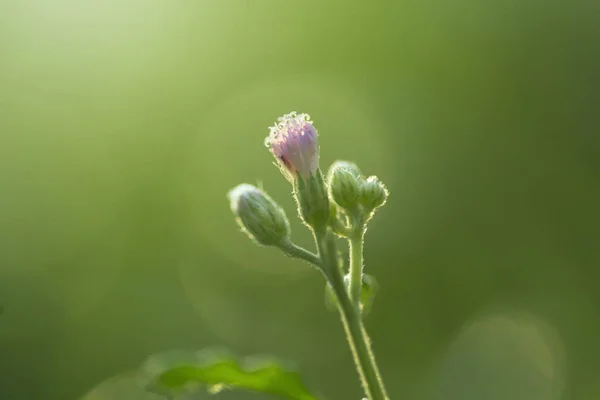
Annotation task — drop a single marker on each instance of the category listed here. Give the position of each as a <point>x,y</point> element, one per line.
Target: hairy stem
<point>296,251</point>
<point>356,268</point>
<point>351,318</point>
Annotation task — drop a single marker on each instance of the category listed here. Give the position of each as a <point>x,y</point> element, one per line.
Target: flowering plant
<point>340,205</point>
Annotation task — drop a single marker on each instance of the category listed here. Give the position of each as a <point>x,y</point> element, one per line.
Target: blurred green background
<point>124,123</point>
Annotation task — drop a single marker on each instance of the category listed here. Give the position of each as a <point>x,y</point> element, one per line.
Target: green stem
<point>351,318</point>
<point>295,251</point>
<point>356,267</point>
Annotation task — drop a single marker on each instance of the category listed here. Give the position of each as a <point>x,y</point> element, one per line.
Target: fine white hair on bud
<point>347,165</point>
<point>259,215</point>
<point>293,142</point>
<point>373,193</point>
<point>344,186</point>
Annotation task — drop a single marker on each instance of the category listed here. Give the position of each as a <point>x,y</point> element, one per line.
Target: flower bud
<point>373,193</point>
<point>293,142</point>
<point>258,215</point>
<point>347,165</point>
<point>344,186</point>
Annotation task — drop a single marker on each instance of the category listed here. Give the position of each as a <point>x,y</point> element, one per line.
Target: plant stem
<point>351,318</point>
<point>295,251</point>
<point>356,267</point>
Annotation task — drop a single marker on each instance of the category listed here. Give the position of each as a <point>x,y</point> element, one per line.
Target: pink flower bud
<point>293,142</point>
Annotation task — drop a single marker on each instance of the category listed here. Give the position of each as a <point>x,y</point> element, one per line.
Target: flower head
<point>293,142</point>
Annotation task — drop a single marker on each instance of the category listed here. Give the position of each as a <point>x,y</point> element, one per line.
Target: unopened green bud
<point>344,187</point>
<point>373,193</point>
<point>313,202</point>
<point>347,165</point>
<point>259,215</point>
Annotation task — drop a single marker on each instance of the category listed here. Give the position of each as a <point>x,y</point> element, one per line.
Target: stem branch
<point>296,251</point>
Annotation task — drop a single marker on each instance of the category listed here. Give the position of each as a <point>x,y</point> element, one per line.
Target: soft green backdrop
<point>124,123</point>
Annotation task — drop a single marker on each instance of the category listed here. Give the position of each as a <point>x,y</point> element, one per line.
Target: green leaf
<point>126,386</point>
<point>367,294</point>
<point>178,372</point>
<point>370,287</point>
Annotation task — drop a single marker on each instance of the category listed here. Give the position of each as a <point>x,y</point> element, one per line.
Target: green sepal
<point>313,201</point>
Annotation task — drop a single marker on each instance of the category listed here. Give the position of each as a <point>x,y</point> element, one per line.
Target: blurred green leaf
<point>367,294</point>
<point>126,386</point>
<point>176,372</point>
<point>370,286</point>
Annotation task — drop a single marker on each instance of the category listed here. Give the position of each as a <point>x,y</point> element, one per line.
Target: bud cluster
<point>293,141</point>
<point>353,193</point>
